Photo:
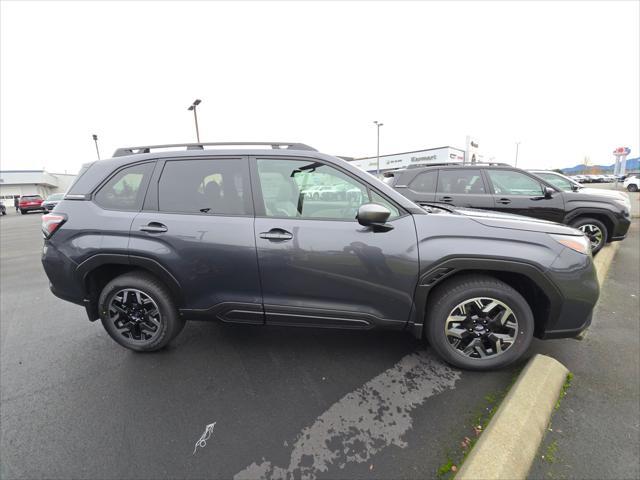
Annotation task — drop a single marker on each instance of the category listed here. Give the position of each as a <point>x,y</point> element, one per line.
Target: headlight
<point>580,244</point>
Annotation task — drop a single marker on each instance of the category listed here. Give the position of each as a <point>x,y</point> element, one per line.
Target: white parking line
<point>364,421</point>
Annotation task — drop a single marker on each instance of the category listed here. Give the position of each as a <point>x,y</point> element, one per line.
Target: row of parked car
<point>598,178</point>
<point>35,203</point>
<point>448,253</point>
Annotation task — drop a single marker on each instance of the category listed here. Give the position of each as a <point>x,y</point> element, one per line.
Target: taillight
<point>51,222</point>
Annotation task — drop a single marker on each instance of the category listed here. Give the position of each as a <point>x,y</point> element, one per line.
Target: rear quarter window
<point>126,189</point>
<point>424,182</point>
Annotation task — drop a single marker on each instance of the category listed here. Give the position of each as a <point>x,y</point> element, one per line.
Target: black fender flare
<point>591,211</point>
<point>443,270</point>
<point>89,265</point>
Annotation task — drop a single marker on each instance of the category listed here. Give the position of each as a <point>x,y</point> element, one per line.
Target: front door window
<point>312,190</point>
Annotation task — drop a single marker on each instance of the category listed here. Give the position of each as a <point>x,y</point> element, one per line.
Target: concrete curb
<point>603,260</point>
<point>507,449</point>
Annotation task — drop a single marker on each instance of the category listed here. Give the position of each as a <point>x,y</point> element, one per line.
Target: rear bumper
<point>30,208</point>
<point>61,273</point>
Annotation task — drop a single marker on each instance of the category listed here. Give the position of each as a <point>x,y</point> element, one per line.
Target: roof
<point>27,177</point>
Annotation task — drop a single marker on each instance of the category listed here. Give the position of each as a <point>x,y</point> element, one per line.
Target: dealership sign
<point>403,160</point>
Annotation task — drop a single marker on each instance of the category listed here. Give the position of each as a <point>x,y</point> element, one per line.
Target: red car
<point>28,203</point>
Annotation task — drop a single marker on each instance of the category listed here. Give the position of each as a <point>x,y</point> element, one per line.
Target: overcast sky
<point>562,78</point>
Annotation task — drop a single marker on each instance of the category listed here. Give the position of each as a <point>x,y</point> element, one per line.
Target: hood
<point>602,192</point>
<point>516,222</point>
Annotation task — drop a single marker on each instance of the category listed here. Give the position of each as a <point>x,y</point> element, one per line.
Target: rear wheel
<point>479,323</point>
<point>137,311</point>
<point>595,230</point>
<point>632,187</point>
<point>23,211</point>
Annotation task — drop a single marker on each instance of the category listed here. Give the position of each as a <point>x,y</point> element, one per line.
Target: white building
<point>31,182</point>
<point>417,157</point>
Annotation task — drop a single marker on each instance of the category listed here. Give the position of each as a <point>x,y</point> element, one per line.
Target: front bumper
<point>620,229</point>
<point>575,276</point>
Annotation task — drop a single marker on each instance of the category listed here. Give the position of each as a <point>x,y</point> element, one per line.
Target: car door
<point>522,194</point>
<point>318,265</point>
<point>463,187</point>
<point>197,223</point>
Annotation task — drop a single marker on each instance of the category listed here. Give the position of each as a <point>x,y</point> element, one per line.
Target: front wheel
<point>632,187</point>
<point>479,323</point>
<point>137,311</point>
<point>595,231</point>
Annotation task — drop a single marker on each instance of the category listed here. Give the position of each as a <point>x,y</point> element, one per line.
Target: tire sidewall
<point>168,314</point>
<point>592,221</point>
<point>515,301</point>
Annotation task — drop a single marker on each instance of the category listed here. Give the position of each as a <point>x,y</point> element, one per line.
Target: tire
<point>517,329</point>
<point>632,187</point>
<point>23,212</point>
<point>140,336</point>
<point>590,227</point>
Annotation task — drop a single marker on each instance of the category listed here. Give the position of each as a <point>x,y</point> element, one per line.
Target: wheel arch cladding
<point>603,217</point>
<point>102,272</point>
<point>537,299</point>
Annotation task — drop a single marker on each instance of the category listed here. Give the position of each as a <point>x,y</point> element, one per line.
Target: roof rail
<point>121,152</point>
<point>461,164</point>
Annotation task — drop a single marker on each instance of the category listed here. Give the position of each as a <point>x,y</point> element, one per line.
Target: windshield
<point>560,181</point>
<point>56,196</point>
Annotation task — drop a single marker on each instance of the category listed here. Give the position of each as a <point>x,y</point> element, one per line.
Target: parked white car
<point>632,184</point>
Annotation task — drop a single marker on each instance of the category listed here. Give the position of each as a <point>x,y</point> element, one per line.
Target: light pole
<point>517,146</point>
<point>95,139</point>
<point>378,125</point>
<point>193,106</point>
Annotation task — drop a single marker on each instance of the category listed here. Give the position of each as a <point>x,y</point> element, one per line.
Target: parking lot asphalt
<point>313,403</point>
<point>595,434</point>
<point>324,403</point>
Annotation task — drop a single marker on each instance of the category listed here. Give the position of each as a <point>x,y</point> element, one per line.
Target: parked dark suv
<point>148,239</point>
<point>500,187</point>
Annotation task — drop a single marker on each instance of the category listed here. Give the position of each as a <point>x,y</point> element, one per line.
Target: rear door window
<point>507,182</point>
<point>208,187</point>
<point>126,189</point>
<point>460,181</point>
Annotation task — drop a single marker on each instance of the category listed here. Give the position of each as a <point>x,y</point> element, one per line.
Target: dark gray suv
<point>158,235</point>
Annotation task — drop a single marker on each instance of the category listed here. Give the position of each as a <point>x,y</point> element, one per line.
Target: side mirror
<point>373,215</point>
<point>548,192</point>
<point>575,187</point>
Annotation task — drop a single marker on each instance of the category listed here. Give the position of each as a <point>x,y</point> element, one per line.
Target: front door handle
<point>504,201</point>
<point>446,199</point>
<point>154,227</point>
<point>276,234</point>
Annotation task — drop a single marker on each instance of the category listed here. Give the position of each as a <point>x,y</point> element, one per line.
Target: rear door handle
<point>504,201</point>
<point>276,234</point>
<point>154,227</point>
<point>446,199</point>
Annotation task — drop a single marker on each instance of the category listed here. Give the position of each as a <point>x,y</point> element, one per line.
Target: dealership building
<point>406,159</point>
<point>31,182</point>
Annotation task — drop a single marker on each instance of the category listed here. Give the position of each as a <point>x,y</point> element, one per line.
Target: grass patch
<point>564,390</point>
<point>477,424</point>
<point>550,453</point>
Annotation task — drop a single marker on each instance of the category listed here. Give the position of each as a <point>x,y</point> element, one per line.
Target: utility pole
<point>95,139</point>
<point>378,125</point>
<point>193,106</point>
<point>517,145</point>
